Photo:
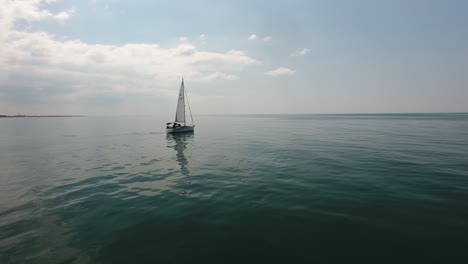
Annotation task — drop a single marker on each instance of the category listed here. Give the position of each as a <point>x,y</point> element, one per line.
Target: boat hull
<point>182,129</point>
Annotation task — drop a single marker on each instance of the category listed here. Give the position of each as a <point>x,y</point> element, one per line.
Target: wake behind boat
<point>180,125</point>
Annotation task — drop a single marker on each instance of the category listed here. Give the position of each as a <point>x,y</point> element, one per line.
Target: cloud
<point>267,39</point>
<point>203,37</point>
<point>280,72</point>
<point>63,15</point>
<point>220,76</point>
<point>37,66</point>
<point>183,38</point>
<point>301,52</point>
<point>27,10</point>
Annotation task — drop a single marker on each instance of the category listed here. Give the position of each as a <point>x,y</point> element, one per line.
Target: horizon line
<point>228,114</point>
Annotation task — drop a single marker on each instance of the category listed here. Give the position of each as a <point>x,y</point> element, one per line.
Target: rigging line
<point>191,117</point>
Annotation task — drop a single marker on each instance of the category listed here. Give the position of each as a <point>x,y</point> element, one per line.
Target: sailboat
<point>180,125</point>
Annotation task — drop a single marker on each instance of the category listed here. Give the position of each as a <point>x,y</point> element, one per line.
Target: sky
<point>116,57</point>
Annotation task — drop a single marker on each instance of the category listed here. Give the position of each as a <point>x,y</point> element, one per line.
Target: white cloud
<point>252,37</point>
<point>267,39</point>
<point>280,72</point>
<point>220,76</point>
<point>63,15</point>
<point>301,52</point>
<point>38,66</point>
<point>203,37</point>
<point>27,10</point>
<point>183,38</point>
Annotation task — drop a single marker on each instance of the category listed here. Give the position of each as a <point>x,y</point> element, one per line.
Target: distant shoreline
<point>25,116</point>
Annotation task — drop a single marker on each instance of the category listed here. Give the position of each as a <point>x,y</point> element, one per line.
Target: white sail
<point>180,113</point>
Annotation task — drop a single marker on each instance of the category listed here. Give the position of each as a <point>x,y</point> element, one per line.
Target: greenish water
<point>241,189</point>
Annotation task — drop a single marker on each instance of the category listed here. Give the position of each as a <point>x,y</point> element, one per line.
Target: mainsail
<point>180,113</point>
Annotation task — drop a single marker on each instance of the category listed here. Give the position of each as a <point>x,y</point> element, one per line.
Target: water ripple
<point>334,186</point>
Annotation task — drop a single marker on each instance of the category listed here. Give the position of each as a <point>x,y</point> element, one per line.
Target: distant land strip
<point>21,116</point>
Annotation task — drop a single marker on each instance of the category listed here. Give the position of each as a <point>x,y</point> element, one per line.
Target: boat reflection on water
<point>179,143</point>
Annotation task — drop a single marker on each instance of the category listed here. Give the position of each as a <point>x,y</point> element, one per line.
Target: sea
<point>353,188</point>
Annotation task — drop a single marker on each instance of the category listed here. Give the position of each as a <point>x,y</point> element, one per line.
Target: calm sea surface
<point>241,189</point>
